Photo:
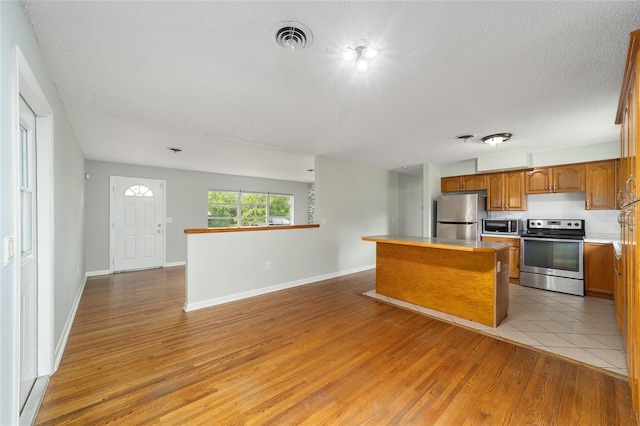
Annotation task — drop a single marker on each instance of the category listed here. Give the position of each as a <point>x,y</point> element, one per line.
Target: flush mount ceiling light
<point>497,138</point>
<point>292,35</point>
<point>361,54</point>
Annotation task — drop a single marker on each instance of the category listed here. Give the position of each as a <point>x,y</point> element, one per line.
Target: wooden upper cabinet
<point>600,185</point>
<point>463,183</point>
<point>569,178</point>
<point>474,182</point>
<point>451,184</point>
<point>538,181</point>
<point>514,195</point>
<point>505,191</point>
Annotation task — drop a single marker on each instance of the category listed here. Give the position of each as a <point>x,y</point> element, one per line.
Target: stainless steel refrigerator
<point>459,216</point>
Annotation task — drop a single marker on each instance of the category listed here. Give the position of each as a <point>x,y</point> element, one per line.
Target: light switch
<point>169,220</point>
<point>8,249</point>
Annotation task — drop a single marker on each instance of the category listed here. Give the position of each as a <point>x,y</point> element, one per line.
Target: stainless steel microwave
<point>501,226</point>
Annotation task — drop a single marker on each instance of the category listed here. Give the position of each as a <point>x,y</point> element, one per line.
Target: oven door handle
<point>569,240</point>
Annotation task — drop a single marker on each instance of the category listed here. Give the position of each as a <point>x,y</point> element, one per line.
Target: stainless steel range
<point>551,255</point>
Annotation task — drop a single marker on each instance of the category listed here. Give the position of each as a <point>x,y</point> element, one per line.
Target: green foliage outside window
<point>256,209</point>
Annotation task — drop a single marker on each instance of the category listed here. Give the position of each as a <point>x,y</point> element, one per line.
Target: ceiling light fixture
<point>362,54</point>
<point>497,138</point>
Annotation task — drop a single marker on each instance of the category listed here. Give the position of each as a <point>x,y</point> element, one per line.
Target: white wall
<point>566,206</point>
<point>352,201</point>
<point>68,204</point>
<point>187,204</point>
<point>509,160</point>
<point>410,205</point>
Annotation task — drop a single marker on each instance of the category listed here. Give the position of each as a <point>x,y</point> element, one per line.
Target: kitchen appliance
<point>459,216</point>
<point>501,226</point>
<point>551,255</point>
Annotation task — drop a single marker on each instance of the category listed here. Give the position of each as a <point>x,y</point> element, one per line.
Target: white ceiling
<point>207,77</point>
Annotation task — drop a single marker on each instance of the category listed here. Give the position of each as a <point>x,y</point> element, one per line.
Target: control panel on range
<point>555,224</point>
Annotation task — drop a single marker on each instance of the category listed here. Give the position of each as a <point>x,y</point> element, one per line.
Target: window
<point>231,209</point>
<point>138,191</point>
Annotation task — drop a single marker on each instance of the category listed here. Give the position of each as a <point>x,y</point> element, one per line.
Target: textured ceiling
<point>207,77</point>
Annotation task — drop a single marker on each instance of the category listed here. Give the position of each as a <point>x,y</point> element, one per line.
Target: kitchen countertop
<point>590,238</point>
<point>602,238</point>
<point>442,243</point>
<point>497,235</point>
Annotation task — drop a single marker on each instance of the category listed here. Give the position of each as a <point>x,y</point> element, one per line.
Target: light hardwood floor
<point>316,354</point>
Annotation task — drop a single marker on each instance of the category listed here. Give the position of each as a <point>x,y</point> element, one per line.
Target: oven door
<point>553,257</point>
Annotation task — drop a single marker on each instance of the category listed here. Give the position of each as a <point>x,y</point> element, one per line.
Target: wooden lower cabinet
<point>599,274</point>
<point>514,256</point>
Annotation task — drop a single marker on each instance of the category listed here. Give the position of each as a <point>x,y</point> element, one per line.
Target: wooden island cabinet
<point>468,279</point>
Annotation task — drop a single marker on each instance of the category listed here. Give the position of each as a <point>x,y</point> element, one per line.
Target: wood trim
<point>435,243</point>
<point>250,228</point>
<point>634,46</point>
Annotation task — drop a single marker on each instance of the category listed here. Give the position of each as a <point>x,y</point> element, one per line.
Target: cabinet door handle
<point>554,187</point>
<point>587,204</point>
<point>550,188</point>
<point>620,199</point>
<point>626,184</point>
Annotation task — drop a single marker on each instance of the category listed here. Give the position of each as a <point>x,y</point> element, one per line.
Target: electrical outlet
<point>267,265</point>
<point>499,266</point>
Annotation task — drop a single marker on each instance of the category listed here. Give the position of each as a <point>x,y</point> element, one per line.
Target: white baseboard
<point>107,272</point>
<point>188,307</point>
<point>62,343</point>
<point>98,273</point>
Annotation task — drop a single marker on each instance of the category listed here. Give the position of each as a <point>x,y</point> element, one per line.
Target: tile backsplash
<point>566,206</point>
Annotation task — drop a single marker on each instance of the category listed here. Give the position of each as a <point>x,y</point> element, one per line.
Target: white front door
<point>28,254</point>
<point>138,219</point>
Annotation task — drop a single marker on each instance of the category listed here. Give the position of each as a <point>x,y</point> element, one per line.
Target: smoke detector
<point>292,35</point>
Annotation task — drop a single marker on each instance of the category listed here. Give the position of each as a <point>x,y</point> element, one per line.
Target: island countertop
<point>441,243</point>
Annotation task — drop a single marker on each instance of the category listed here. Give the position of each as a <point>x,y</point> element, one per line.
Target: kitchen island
<point>468,279</point>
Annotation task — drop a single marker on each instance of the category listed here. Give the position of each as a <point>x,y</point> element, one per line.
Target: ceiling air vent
<point>292,35</point>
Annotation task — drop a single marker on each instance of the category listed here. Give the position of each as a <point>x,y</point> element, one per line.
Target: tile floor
<point>580,328</point>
